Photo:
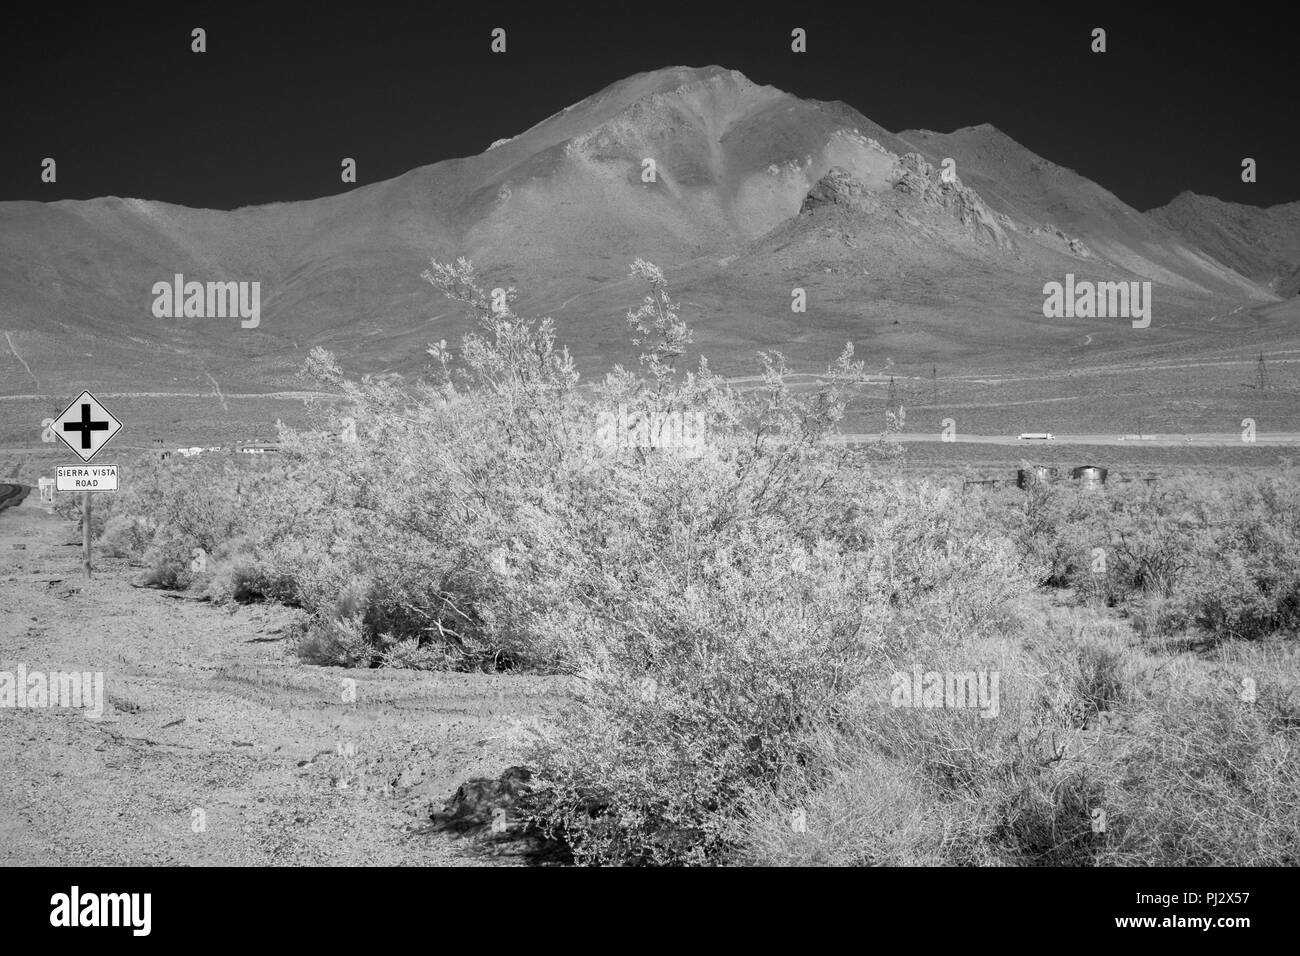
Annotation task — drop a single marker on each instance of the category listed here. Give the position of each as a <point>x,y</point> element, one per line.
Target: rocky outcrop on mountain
<point>926,184</point>
<point>914,181</point>
<point>1075,246</point>
<point>837,188</point>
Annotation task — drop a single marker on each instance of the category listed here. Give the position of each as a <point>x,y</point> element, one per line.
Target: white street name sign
<point>86,478</point>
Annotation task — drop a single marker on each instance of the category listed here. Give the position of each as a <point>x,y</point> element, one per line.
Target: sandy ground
<point>207,710</point>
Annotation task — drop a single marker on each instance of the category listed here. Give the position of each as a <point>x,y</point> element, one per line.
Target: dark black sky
<point>114,94</point>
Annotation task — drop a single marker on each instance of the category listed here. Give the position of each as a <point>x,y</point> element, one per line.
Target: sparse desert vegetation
<point>735,613</point>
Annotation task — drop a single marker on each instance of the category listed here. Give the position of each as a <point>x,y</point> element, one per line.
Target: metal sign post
<point>85,533</point>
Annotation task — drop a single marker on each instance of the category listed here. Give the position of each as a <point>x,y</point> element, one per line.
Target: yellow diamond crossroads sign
<point>86,426</point>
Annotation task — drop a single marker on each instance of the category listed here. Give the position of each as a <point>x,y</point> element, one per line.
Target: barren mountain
<point>753,192</point>
<point>1262,243</point>
<point>1054,204</point>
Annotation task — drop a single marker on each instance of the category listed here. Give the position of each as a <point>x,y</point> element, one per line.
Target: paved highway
<point>10,495</point>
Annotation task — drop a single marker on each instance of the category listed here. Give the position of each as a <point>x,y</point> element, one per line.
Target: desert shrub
<point>1212,560</point>
<point>1209,776</point>
<point>1231,551</point>
<point>938,785</point>
<point>1150,558</point>
<point>184,519</point>
<point>1246,581</point>
<point>125,536</point>
<point>1101,755</point>
<point>337,642</point>
<point>724,610</point>
<point>1099,684</point>
<point>864,810</point>
<point>405,520</point>
<point>236,572</point>
<point>1061,525</point>
<point>68,507</point>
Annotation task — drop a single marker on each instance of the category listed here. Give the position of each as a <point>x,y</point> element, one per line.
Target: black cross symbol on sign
<point>85,426</point>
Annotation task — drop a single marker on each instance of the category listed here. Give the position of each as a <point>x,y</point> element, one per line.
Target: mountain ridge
<point>1261,242</point>
<point>561,208</point>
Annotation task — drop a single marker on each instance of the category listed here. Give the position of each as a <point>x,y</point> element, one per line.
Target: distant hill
<point>740,211</point>
<point>1262,243</point>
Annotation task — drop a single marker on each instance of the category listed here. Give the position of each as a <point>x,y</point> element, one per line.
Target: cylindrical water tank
<point>1037,475</point>
<point>1092,476</point>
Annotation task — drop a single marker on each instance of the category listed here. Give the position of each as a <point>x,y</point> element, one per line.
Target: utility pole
<point>892,401</point>
<point>934,382</point>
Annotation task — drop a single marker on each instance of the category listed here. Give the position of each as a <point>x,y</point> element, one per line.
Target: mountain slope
<point>1055,202</point>
<point>1262,243</point>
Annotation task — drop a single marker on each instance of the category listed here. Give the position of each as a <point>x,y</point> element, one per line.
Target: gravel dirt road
<point>215,745</point>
